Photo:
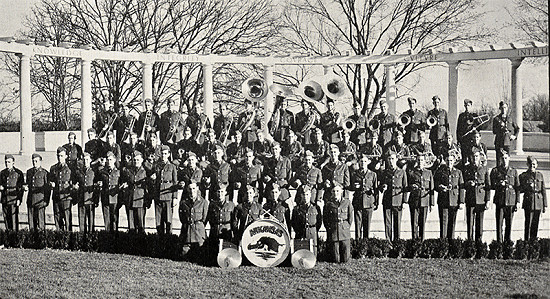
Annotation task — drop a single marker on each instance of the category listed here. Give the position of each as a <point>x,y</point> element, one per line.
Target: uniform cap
<point>61,149</point>
<point>219,147</point>
<point>309,153</point>
<point>86,154</point>
<point>165,148</point>
<point>467,101</point>
<point>72,134</point>
<point>411,100</point>
<point>138,153</point>
<point>36,156</point>
<point>91,130</point>
<point>110,154</point>
<point>9,156</point>
<point>191,154</point>
<point>334,146</point>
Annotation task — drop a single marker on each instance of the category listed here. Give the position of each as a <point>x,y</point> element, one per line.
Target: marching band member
<point>38,196</point>
<point>348,148</point>
<point>276,205</point>
<point>338,216</point>
<point>123,123</point>
<point>236,150</point>
<point>191,173</point>
<point>329,122</point>
<point>465,123</point>
<point>153,147</point>
<point>188,144</point>
<point>478,146</point>
<point>399,147</point>
<point>221,214</point>
<point>534,197</point>
<point>248,124</point>
<point>292,149</point>
<point>505,131</point>
<point>505,182</point>
<point>248,174</point>
<point>110,177</point>
<point>421,196</point>
<point>306,216</point>
<point>373,150</point>
<point>308,175</point>
<point>449,146</point>
<point>112,146</point>
<point>62,179</point>
<point>449,184</point>
<point>357,136</point>
<point>320,149</point>
<point>198,122</point>
<point>423,146</point>
<point>88,197</point>
<point>284,123</point>
<point>246,212</point>
<point>439,132</point>
<point>478,186</point>
<point>277,169</point>
<point>306,120</point>
<point>387,125</point>
<point>104,116</point>
<point>165,178</point>
<point>74,152</point>
<point>417,124</point>
<point>209,146</point>
<point>135,180</point>
<point>223,123</point>
<point>262,147</point>
<point>12,181</point>
<point>335,171</point>
<point>128,149</point>
<point>147,122</point>
<point>193,211</point>
<point>364,183</point>
<point>393,184</point>
<point>217,170</point>
<point>170,124</point>
<point>95,147</point>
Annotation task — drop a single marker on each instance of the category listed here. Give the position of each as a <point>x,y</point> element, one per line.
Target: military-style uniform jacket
<point>115,148</point>
<point>250,133</point>
<point>301,121</point>
<point>278,170</point>
<point>454,181</point>
<point>420,148</point>
<point>320,150</point>
<point>87,192</point>
<point>421,187</point>
<point>478,194</point>
<point>39,187</point>
<point>365,185</point>
<point>74,153</point>
<point>262,149</point>
<point>439,131</point>
<point>111,179</point>
<point>128,148</point>
<point>279,210</point>
<point>286,123</point>
<point>306,221</point>
<point>102,119</point>
<point>246,175</point>
<point>534,192</point>
<point>208,148</point>
<point>401,150</point>
<point>220,124</point>
<point>418,123</point>
<point>387,126</point>
<point>395,194</point>
<point>169,119</point>
<point>166,183</point>
<point>193,215</point>
<point>121,125</point>
<point>503,128</point>
<point>154,122</point>
<point>293,150</point>
<point>190,175</point>
<point>218,172</point>
<point>312,177</point>
<point>196,121</point>
<point>236,151</point>
<point>137,180</point>
<point>64,178</point>
<point>505,182</point>
<point>246,213</point>
<point>329,125</point>
<point>338,216</point>
<point>189,145</point>
<point>349,150</point>
<point>12,181</point>
<point>336,172</point>
<point>221,215</point>
<point>358,135</point>
<point>464,124</point>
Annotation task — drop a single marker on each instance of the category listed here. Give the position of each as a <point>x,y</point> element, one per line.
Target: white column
<point>86,98</point>
<point>269,104</point>
<point>453,96</point>
<point>328,69</point>
<point>147,69</point>
<point>390,87</point>
<point>517,107</point>
<point>25,107</point>
<point>208,91</point>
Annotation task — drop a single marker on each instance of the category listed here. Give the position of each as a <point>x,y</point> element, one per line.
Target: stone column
<point>269,103</point>
<point>208,91</point>
<point>454,106</point>
<point>25,107</point>
<point>517,104</point>
<point>390,87</point>
<point>147,69</point>
<point>86,98</point>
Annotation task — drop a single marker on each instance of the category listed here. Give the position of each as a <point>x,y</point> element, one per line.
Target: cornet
<point>254,89</point>
<point>431,121</point>
<point>404,120</point>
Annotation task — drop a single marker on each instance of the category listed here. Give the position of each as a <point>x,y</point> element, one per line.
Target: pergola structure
<point>26,49</point>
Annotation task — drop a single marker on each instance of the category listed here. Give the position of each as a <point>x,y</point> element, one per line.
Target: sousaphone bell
<point>254,89</point>
<point>334,86</point>
<point>404,120</point>
<point>311,90</point>
<point>281,90</point>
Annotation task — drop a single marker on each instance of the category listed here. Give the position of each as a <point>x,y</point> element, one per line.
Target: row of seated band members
<point>139,183</point>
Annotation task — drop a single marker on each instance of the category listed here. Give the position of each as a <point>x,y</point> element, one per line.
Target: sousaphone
<point>311,90</point>
<point>334,86</point>
<point>254,89</point>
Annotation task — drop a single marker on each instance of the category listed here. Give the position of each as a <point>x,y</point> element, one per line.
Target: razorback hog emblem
<point>263,242</point>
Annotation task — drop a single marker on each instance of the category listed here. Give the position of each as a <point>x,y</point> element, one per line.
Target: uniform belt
<point>164,182</point>
<point>311,225</point>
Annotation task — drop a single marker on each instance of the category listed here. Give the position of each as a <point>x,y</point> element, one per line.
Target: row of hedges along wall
<point>170,246</point>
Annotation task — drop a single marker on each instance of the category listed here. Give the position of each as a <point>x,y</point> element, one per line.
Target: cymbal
<point>303,259</point>
<point>229,258</point>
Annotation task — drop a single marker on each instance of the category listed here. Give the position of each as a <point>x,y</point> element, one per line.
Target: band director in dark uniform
<point>62,180</point>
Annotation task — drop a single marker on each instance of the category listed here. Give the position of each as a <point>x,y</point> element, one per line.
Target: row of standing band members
<point>137,173</point>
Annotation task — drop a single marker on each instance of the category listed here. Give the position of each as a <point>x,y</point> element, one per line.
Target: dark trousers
<point>474,221</point>
<point>499,154</point>
<point>341,251</point>
<point>362,223</point>
<point>163,216</point>
<point>37,217</point>
<point>392,222</point>
<point>418,221</point>
<point>137,217</point>
<point>110,216</point>
<point>504,214</point>
<point>447,222</point>
<point>531,224</point>
<point>86,218</point>
<point>62,215</point>
<point>11,216</point>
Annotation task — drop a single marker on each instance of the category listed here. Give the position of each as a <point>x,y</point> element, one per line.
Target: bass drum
<point>266,243</point>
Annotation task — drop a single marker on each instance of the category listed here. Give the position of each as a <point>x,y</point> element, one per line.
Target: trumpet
<point>374,125</point>
<point>404,120</point>
<point>146,122</point>
<point>110,123</point>
<point>254,89</point>
<point>431,121</point>
<point>349,124</point>
<point>201,128</point>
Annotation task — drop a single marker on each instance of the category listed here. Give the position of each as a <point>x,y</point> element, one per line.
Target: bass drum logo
<point>266,243</point>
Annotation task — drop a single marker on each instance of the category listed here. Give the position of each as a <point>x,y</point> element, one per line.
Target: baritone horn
<point>311,90</point>
<point>431,121</point>
<point>254,89</point>
<point>404,120</point>
<point>349,125</point>
<point>334,86</point>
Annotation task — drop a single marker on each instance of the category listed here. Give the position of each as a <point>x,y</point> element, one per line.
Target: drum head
<point>303,259</point>
<point>229,258</point>
<point>266,243</point>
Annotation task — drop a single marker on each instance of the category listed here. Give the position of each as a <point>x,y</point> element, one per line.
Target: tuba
<point>349,124</point>
<point>431,121</point>
<point>404,120</point>
<point>254,89</point>
<point>334,86</point>
<point>147,122</point>
<point>311,90</point>
<point>374,125</point>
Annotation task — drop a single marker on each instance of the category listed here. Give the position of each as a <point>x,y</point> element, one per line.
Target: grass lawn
<point>54,273</point>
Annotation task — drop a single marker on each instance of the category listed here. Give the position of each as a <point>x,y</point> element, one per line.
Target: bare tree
<point>531,17</point>
<point>368,26</point>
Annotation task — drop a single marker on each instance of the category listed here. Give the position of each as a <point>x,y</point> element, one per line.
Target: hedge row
<point>172,247</point>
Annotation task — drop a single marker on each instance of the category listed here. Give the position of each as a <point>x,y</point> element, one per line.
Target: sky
<point>480,82</point>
